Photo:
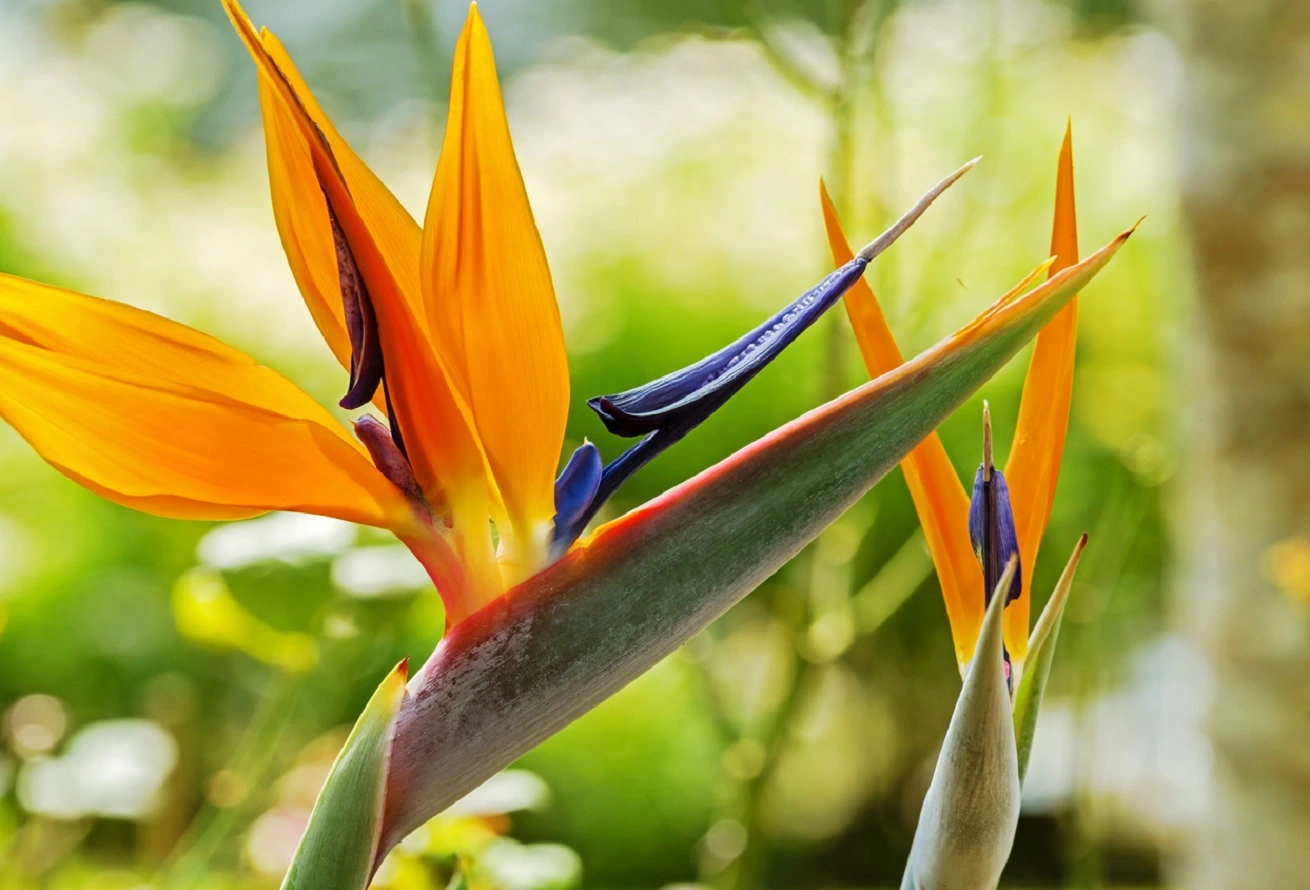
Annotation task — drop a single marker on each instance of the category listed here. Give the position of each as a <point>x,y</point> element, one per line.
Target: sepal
<point>1041,652</point>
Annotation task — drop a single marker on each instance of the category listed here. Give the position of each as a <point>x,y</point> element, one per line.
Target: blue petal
<point>667,409</point>
<point>576,488</point>
<point>991,529</point>
<point>679,394</point>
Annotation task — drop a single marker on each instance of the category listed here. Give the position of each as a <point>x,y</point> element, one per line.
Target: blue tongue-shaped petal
<point>994,539</point>
<point>576,487</point>
<point>667,409</point>
<point>682,393</point>
<point>685,392</point>
<point>991,522</point>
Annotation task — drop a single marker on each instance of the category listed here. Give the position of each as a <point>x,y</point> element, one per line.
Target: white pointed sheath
<point>967,824</point>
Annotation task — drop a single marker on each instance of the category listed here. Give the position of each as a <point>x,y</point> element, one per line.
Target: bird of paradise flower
<point>984,547</point>
<point>1024,492</point>
<point>452,334</point>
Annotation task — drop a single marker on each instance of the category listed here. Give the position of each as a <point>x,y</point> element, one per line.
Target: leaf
<point>555,646</point>
<point>968,820</point>
<point>1041,652</point>
<point>340,844</point>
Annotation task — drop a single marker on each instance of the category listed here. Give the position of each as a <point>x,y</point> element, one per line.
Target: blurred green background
<point>172,692</point>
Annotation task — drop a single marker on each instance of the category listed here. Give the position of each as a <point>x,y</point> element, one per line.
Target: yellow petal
<point>447,458</point>
<point>489,297</point>
<point>160,417</point>
<point>1033,467</point>
<point>939,496</point>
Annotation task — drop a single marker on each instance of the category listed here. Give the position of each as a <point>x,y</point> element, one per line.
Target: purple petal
<point>991,529</point>
<point>575,490</point>
<point>388,457</point>
<point>667,409</point>
<point>366,365</point>
<point>676,395</point>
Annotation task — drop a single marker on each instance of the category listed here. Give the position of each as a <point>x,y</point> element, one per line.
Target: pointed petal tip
<point>1007,576</point>
<point>474,21</point>
<point>887,238</point>
<point>1055,605</point>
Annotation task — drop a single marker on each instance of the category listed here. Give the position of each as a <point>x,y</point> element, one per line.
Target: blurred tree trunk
<point>1245,522</point>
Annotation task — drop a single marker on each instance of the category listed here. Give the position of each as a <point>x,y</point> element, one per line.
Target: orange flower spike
<point>939,496</point>
<point>1033,467</point>
<point>489,298</point>
<point>156,416</point>
<point>442,447</point>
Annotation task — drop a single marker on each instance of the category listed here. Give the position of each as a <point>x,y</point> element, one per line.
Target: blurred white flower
<point>114,769</point>
<point>278,537</point>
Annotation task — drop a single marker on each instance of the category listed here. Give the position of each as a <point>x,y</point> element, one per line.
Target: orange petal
<point>395,232</point>
<point>1033,467</point>
<point>301,213</point>
<point>443,449</point>
<point>939,496</point>
<point>490,301</point>
<point>157,416</point>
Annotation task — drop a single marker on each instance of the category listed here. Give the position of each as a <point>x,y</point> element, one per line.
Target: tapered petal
<point>339,846</point>
<point>637,588</point>
<point>969,816</point>
<point>1034,462</point>
<point>301,213</point>
<point>391,228</point>
<point>939,496</point>
<point>682,394</point>
<point>157,416</point>
<point>437,430</point>
<point>489,297</point>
